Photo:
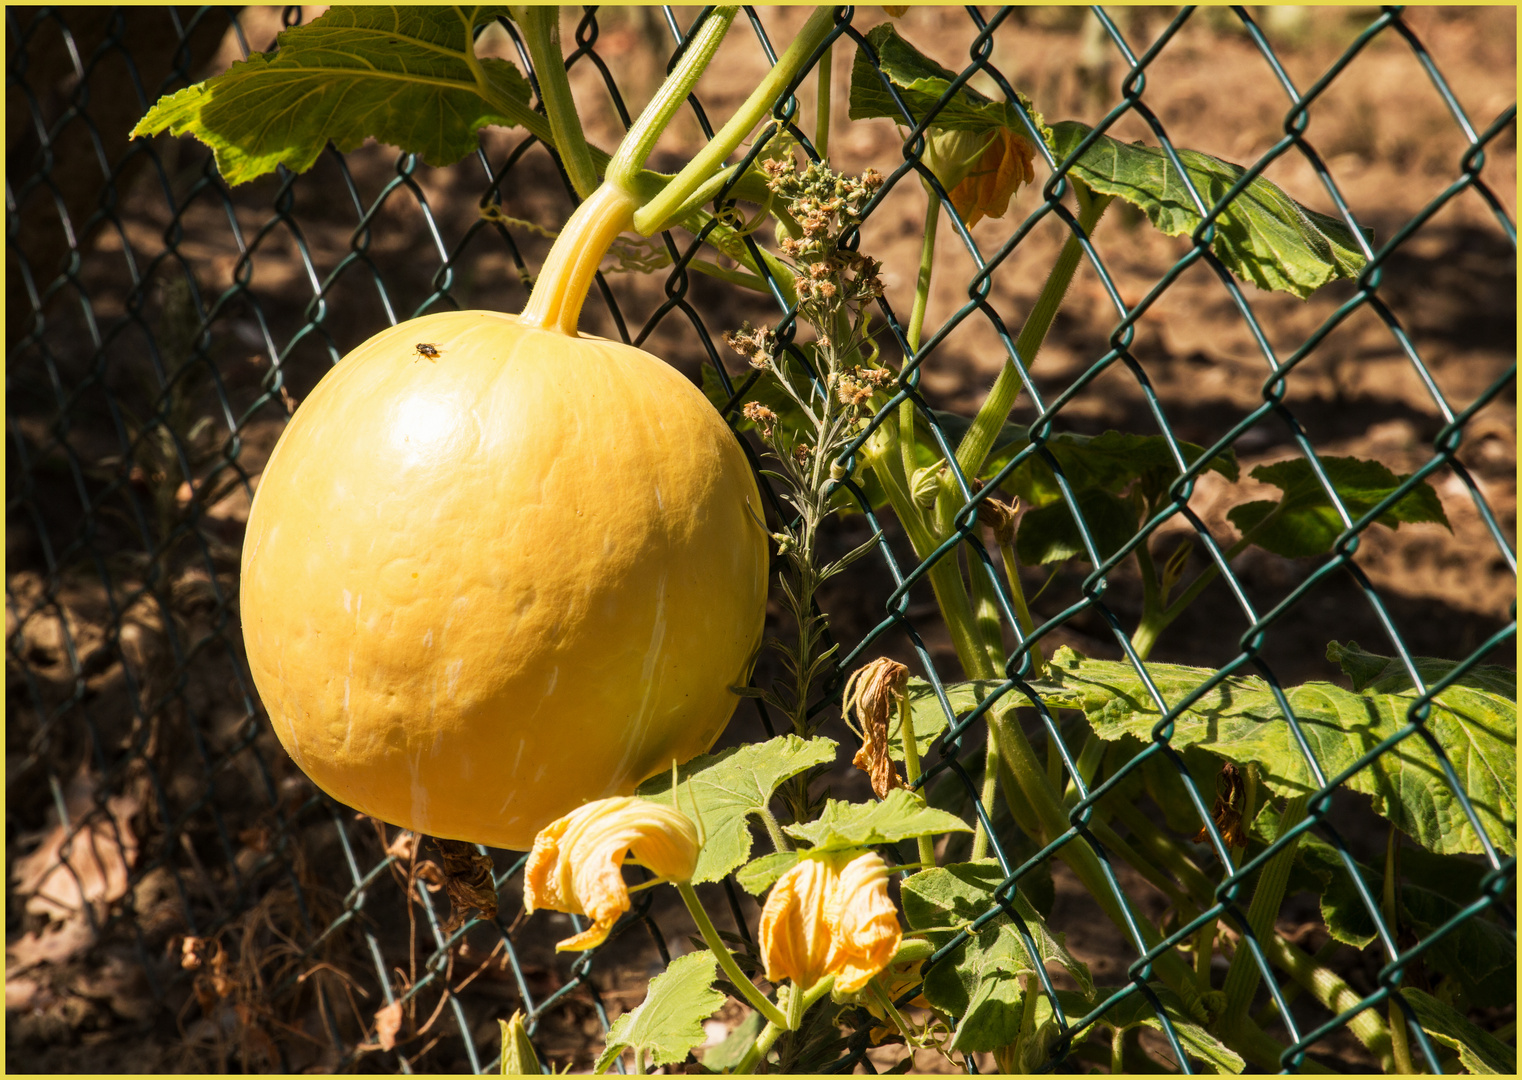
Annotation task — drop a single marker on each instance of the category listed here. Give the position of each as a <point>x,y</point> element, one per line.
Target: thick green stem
<point>822,107</point>
<point>541,33</point>
<point>710,159</point>
<point>1400,1042</point>
<point>1204,949</point>
<point>875,987</point>
<point>912,769</point>
<point>1160,846</point>
<point>1242,976</point>
<point>989,793</point>
<point>725,958</point>
<point>906,436</point>
<point>1329,988</point>
<point>773,1030</point>
<point>985,606</point>
<point>656,116</point>
<point>1031,779</point>
<point>1001,399</point>
<point>773,830</point>
<point>945,579</point>
<point>1022,609</point>
<point>1153,601</point>
<point>566,278</point>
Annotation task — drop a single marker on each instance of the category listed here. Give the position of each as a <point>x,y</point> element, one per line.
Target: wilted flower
<point>1007,162</point>
<point>830,915</point>
<point>980,170</point>
<point>1000,517</point>
<point>576,862</point>
<point>875,691</point>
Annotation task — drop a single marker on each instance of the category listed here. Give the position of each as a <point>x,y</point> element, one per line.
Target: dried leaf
<point>388,1021</point>
<point>875,692</point>
<point>56,944</point>
<point>404,847</point>
<point>1230,800</point>
<point>468,881</point>
<point>80,864</point>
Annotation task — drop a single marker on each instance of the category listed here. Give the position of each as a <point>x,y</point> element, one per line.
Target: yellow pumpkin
<point>485,586</point>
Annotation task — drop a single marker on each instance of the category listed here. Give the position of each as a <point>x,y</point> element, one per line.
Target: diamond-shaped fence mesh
<point>202,906</point>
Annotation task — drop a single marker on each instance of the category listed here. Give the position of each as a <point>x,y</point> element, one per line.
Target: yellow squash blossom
<point>576,864</point>
<point>1007,162</point>
<point>830,915</point>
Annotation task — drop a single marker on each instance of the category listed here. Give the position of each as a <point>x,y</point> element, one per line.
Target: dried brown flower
<point>875,692</point>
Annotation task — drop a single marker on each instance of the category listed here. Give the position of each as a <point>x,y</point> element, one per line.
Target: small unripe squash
<point>485,586</point>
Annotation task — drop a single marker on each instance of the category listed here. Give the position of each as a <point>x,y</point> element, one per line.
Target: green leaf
<point>979,980</point>
<point>756,876</point>
<point>1109,461</point>
<point>669,1022</point>
<point>1304,521</point>
<point>1239,720</point>
<point>1479,954</point>
<point>901,816</point>
<point>729,1053</point>
<point>929,718</point>
<point>396,74</point>
<point>1049,534</point>
<point>1479,1050</point>
<point>731,785</point>
<point>921,82</point>
<point>1264,236</point>
<point>1387,675</point>
<point>1136,1011</point>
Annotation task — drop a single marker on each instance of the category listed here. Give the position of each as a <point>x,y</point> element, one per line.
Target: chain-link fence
<point>180,896</point>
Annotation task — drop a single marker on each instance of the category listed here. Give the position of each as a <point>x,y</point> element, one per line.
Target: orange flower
<point>1007,162</point>
<point>830,915</point>
<point>576,864</point>
<point>796,941</point>
<point>865,923</point>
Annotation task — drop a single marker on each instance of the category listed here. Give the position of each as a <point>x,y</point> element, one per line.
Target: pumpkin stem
<point>565,280</point>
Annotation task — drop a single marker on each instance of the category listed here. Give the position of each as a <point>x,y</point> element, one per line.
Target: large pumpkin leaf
<point>842,826</point>
<point>1109,461</point>
<point>1304,522</point>
<point>731,785</point>
<point>398,74</point>
<point>928,715</point>
<point>669,1022</point>
<point>980,980</point>
<point>901,816</point>
<point>1239,720</point>
<point>1264,236</point>
<point>1480,1052</point>
<point>1050,534</point>
<point>922,83</point>
<point>1481,955</point>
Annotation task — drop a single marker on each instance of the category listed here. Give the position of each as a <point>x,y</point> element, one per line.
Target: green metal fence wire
<point>110,489</point>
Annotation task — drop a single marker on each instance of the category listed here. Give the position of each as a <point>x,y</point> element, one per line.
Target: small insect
<point>428,349</point>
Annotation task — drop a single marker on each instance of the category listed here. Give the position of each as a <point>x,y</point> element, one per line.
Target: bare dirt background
<point>126,700</point>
